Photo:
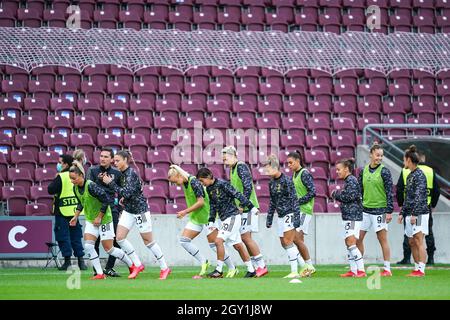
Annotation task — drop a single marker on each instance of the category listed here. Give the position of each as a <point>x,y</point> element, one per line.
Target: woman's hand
<point>73,222</point>
<point>97,221</point>
<point>181,214</point>
<point>107,179</point>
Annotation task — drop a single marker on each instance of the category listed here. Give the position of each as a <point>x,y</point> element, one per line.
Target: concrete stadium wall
<point>324,241</point>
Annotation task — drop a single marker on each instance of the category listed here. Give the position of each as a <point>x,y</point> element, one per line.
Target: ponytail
<point>128,155</point>
<point>77,168</point>
<point>297,155</point>
<point>348,163</point>
<point>412,154</point>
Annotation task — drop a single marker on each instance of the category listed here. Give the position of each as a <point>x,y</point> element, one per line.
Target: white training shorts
<point>199,227</point>
<point>374,222</point>
<point>285,224</point>
<point>351,228</point>
<point>249,222</point>
<point>105,231</point>
<point>305,220</point>
<point>421,225</point>
<point>229,231</point>
<point>142,220</point>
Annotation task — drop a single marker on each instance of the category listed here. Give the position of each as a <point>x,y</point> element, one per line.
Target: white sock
<point>219,266</point>
<point>358,257</point>
<point>309,262</point>
<point>226,259</point>
<point>422,267</point>
<point>121,255</point>
<point>351,262</point>
<point>259,261</point>
<point>387,266</point>
<point>249,265</point>
<point>89,246</point>
<point>252,259</point>
<point>300,260</point>
<point>129,250</point>
<point>416,266</point>
<point>293,254</point>
<point>192,249</point>
<point>156,250</point>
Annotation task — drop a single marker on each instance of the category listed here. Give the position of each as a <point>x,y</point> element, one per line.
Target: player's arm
<point>77,212</point>
<point>212,210</point>
<point>308,181</point>
<point>100,195</point>
<point>246,177</point>
<point>90,175</point>
<point>230,190</point>
<point>419,195</point>
<point>435,192</point>
<point>400,190</point>
<point>360,181</point>
<point>132,186</point>
<point>387,182</point>
<point>272,206</point>
<point>350,193</point>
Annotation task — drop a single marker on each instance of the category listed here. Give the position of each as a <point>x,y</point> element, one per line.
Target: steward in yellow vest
<point>64,205</point>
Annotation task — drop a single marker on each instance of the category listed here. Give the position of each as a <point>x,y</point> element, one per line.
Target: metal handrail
<point>369,128</point>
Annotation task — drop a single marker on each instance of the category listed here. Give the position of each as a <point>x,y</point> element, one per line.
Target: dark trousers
<point>429,239</point>
<point>111,260</point>
<point>69,238</point>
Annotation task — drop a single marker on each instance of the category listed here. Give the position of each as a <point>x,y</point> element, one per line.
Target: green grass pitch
<point>36,283</point>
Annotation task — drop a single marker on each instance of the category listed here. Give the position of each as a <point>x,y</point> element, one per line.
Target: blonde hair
<point>273,162</point>
<point>77,167</point>
<point>79,155</point>
<point>174,170</point>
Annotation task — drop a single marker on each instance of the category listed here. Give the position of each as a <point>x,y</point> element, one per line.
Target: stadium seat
<point>16,200</point>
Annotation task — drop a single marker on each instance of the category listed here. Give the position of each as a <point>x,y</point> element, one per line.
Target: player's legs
<point>304,259</point>
<point>412,245</point>
<point>360,241</point>
<point>155,249</point>
<point>245,256</point>
<point>420,250</point>
<point>186,242</point>
<point>299,241</point>
<point>107,239</point>
<point>112,260</point>
<point>126,245</point>
<point>355,257</point>
<point>287,241</point>
<point>89,245</point>
<point>382,238</point>
<point>211,237</point>
<point>220,249</point>
<point>253,250</point>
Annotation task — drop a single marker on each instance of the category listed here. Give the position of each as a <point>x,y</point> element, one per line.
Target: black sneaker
<point>430,261</point>
<point>404,261</point>
<point>111,273</point>
<point>82,264</point>
<point>250,274</point>
<point>66,265</point>
<point>215,274</point>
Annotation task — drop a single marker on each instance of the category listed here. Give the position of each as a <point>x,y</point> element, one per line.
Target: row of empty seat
<point>430,16</point>
<point>322,115</point>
